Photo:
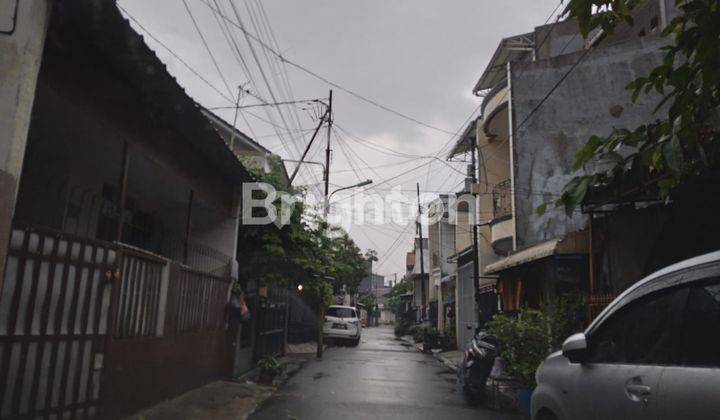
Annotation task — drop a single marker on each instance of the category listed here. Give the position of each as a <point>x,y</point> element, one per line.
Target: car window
<point>700,341</point>
<point>639,333</point>
<point>341,312</point>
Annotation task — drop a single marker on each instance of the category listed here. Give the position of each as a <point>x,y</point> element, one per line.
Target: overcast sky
<point>418,57</point>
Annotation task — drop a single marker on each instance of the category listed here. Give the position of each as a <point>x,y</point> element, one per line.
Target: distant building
<point>371,281</point>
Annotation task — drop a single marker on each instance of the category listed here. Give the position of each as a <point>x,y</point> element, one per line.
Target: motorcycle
<point>477,363</point>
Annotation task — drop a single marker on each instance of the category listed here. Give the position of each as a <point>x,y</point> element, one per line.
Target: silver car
<point>653,353</point>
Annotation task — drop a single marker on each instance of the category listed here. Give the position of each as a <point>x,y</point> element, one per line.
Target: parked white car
<point>342,322</point>
<point>653,353</point>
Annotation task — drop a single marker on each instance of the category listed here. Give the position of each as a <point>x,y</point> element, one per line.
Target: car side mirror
<point>575,348</point>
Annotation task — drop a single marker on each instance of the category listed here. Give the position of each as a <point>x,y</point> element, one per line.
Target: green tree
<point>371,255</point>
<point>304,251</point>
<point>397,290</point>
<point>684,140</point>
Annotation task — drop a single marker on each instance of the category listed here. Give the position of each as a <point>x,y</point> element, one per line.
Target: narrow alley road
<point>382,378</point>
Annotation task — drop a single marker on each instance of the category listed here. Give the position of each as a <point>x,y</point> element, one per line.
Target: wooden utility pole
<point>422,259</point>
<point>321,304</point>
<point>327,153</point>
<point>476,262</point>
<point>307,148</point>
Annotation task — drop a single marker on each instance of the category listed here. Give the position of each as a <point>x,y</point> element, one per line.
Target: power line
<point>207,47</point>
<point>306,101</point>
<point>327,81</point>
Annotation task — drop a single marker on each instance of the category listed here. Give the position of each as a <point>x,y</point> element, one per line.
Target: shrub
<point>417,333</point>
<point>401,327</point>
<point>524,341</point>
<point>269,365</point>
<point>565,317</point>
<point>431,334</point>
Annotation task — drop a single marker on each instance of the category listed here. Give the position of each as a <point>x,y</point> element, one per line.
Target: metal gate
<point>54,317</point>
<point>271,323</point>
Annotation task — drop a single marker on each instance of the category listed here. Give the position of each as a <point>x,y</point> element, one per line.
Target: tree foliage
<point>400,288</point>
<point>323,258</point>
<point>684,140</point>
<point>524,342</point>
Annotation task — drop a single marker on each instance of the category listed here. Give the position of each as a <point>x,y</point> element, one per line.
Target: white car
<point>341,322</point>
<point>653,353</point>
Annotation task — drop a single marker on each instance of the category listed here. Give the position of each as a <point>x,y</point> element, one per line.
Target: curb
<point>418,346</point>
<point>447,362</point>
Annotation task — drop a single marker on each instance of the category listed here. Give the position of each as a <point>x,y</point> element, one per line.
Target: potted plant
<point>524,342</point>
<point>430,338</point>
<point>269,369</point>
<point>417,333</point>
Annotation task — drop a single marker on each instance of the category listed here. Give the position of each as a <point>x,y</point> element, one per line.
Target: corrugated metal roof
<point>509,49</point>
<point>572,243</point>
<point>108,35</point>
<point>533,253</point>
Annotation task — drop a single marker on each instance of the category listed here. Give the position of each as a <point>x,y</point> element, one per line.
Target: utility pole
<point>422,259</point>
<point>307,148</point>
<point>327,153</point>
<point>476,262</point>
<point>321,304</point>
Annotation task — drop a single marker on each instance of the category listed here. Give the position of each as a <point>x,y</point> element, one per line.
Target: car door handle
<point>638,390</point>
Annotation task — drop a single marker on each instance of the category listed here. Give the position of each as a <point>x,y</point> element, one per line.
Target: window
<point>341,312</point>
<point>639,333</point>
<point>700,341</point>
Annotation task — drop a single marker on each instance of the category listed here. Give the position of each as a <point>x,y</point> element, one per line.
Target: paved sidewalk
<point>450,358</point>
<point>216,400</point>
<point>225,399</point>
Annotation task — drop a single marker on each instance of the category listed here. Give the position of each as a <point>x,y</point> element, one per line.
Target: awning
<point>464,142</point>
<point>573,243</point>
<point>447,279</point>
<point>513,48</point>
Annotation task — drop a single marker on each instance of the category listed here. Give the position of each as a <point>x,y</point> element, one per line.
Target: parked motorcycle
<point>477,362</point>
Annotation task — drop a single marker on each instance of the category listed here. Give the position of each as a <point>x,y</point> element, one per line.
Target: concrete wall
<point>447,247</point>
<point>493,168</point>
<point>433,232</point>
<point>557,39</point>
<point>591,100</point>
<point>465,318</point>
<point>22,37</point>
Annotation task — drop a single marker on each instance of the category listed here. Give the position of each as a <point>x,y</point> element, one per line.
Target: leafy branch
<point>655,157</point>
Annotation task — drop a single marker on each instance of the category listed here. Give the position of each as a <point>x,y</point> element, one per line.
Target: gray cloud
<point>421,57</point>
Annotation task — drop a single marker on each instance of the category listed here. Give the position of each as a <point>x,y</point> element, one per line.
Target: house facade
<point>441,246</point>
<point>119,225</point>
<point>525,150</point>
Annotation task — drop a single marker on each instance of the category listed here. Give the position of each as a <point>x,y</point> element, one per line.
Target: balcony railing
<point>502,199</point>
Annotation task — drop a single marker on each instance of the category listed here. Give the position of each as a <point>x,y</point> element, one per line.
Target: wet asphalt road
<point>379,379</point>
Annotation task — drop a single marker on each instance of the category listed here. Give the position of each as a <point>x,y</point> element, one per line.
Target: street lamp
<point>358,185</point>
